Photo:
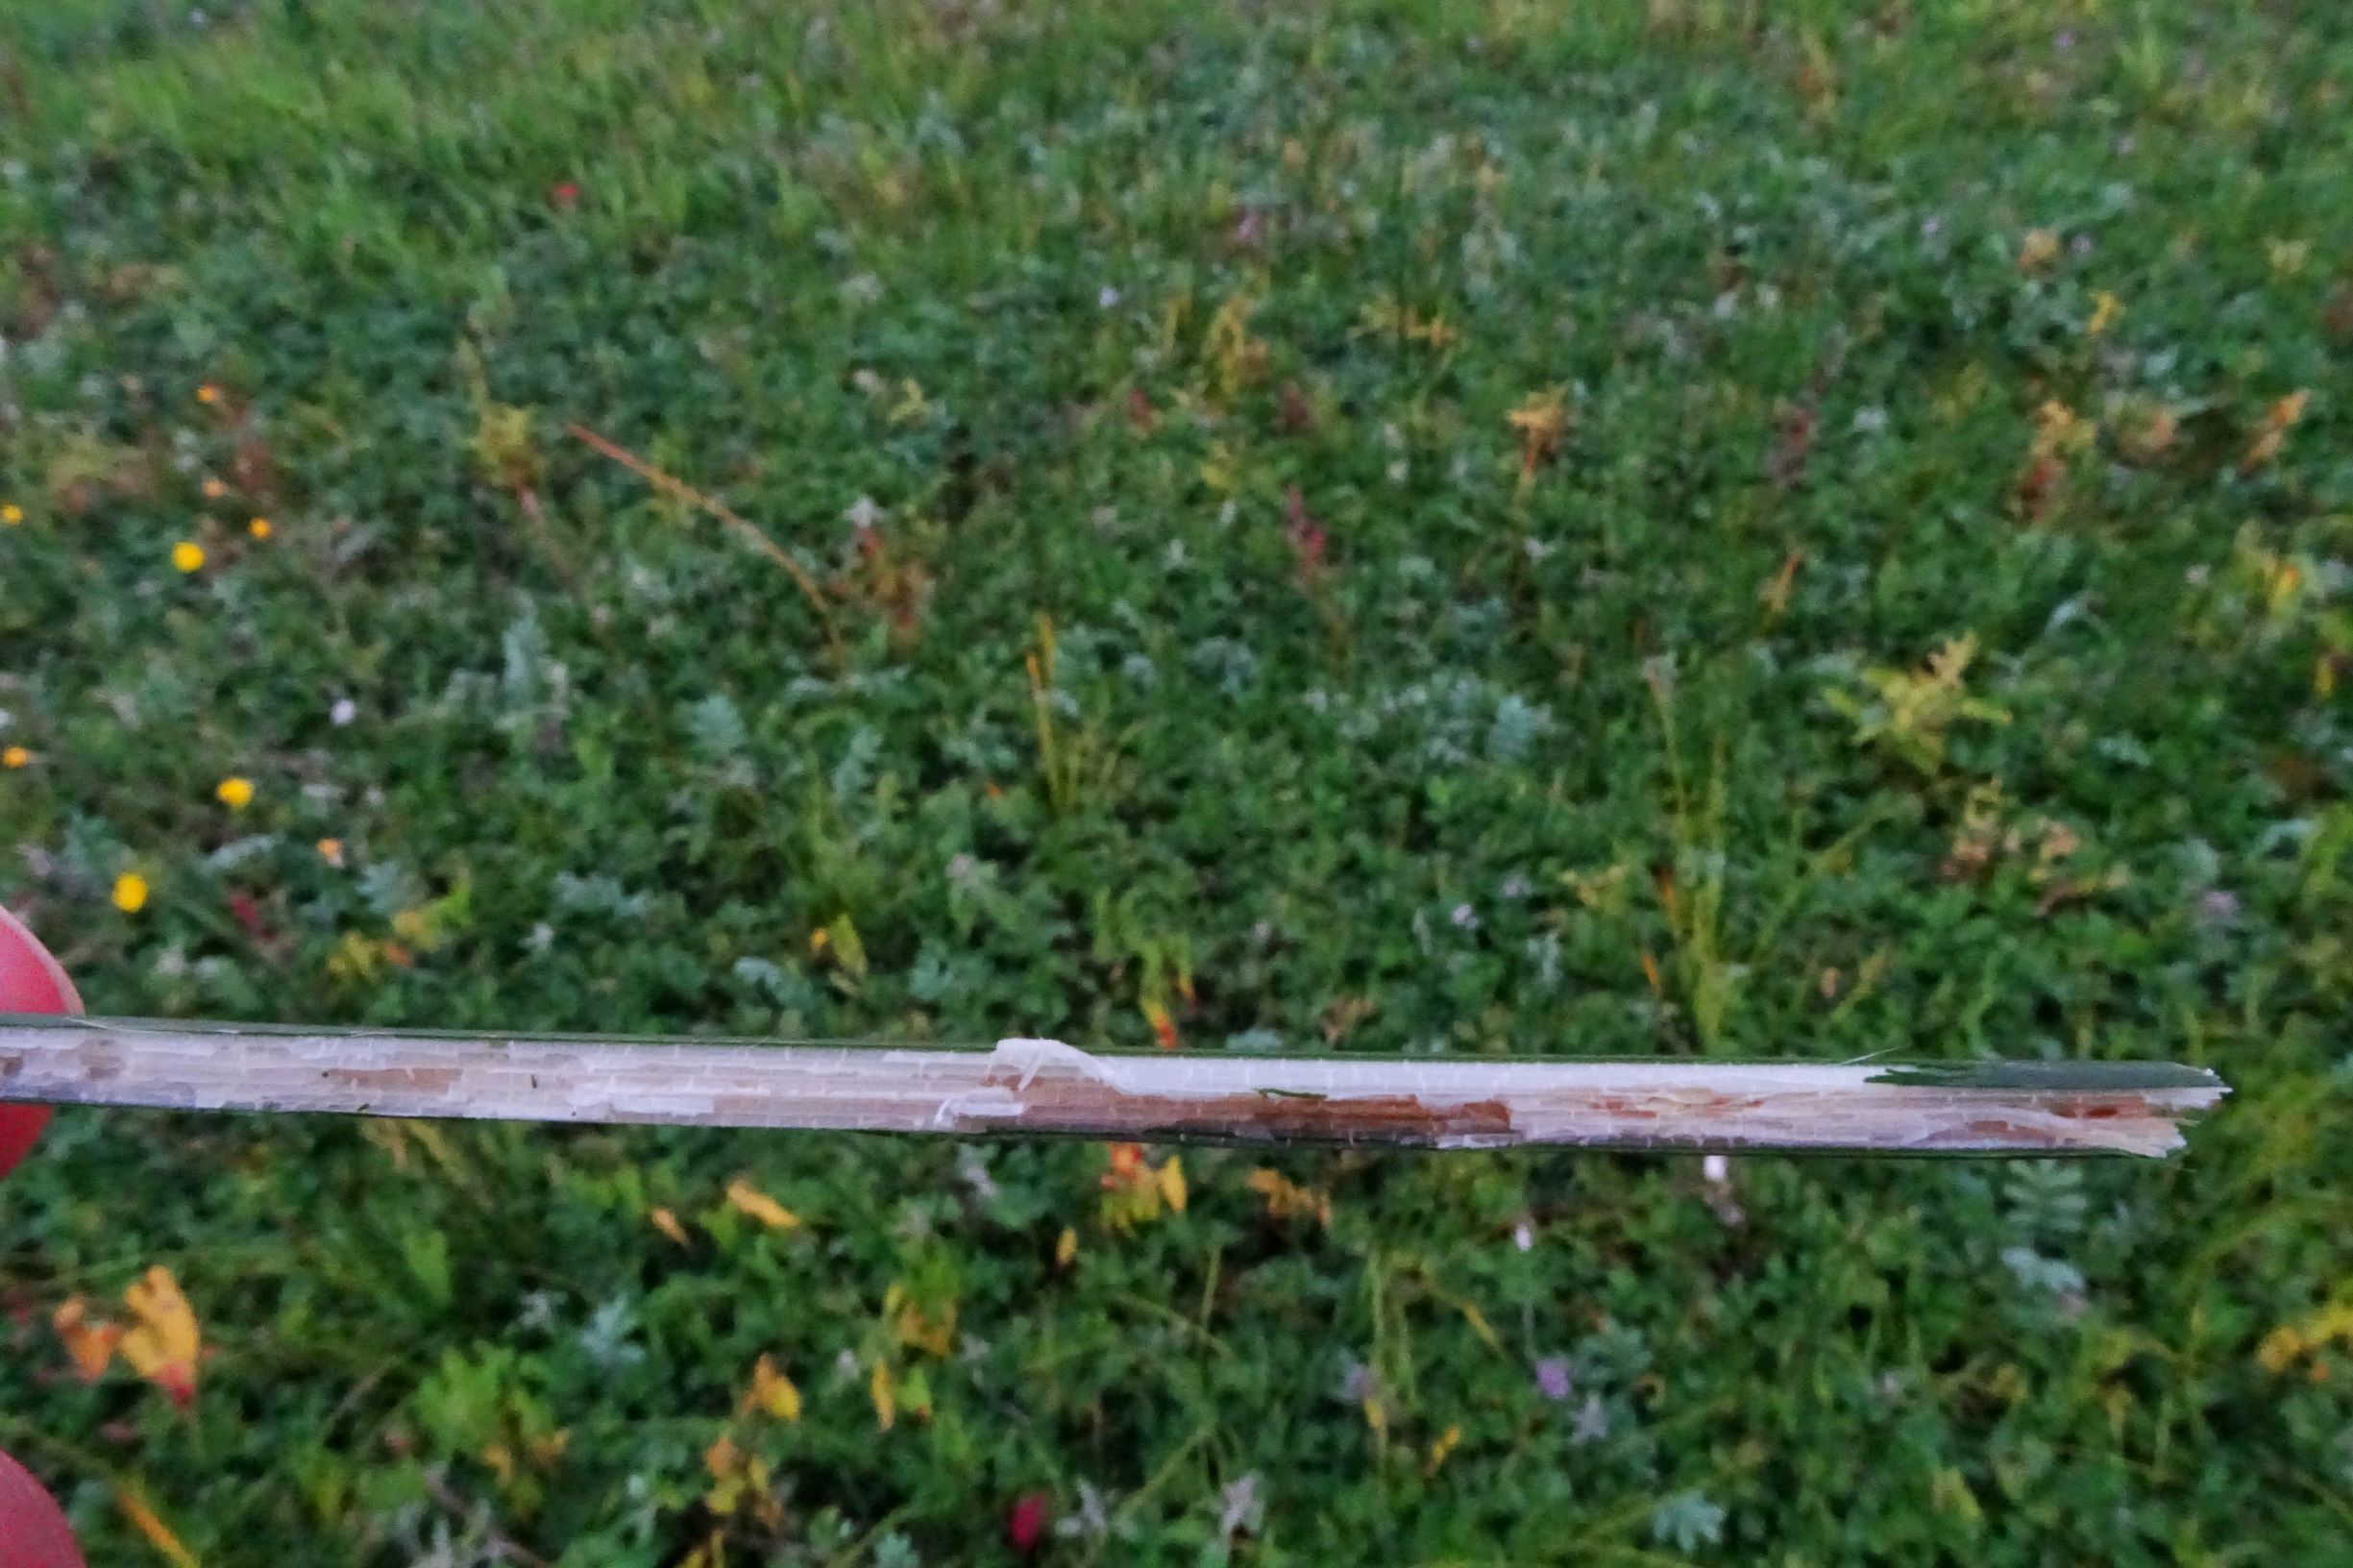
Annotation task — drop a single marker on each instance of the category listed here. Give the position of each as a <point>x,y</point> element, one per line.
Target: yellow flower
<point>237,793</point>
<point>130,892</point>
<point>15,756</point>
<point>331,850</point>
<point>258,528</point>
<point>11,514</point>
<point>188,556</point>
<point>207,393</point>
<point>2105,309</point>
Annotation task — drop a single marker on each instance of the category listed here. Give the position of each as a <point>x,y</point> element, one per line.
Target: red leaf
<point>1025,1524</point>
<point>249,914</point>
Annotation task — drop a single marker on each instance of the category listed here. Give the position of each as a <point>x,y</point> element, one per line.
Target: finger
<point>30,981</point>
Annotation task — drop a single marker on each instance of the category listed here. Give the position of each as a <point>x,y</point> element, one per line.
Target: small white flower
<point>1464,917</point>
<point>862,514</point>
<point>1106,297</point>
<point>1524,1236</point>
<point>343,712</point>
<point>1243,1509</point>
<point>1716,1168</point>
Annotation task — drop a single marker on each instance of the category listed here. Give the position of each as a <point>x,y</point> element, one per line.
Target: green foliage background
<point>1433,757</point>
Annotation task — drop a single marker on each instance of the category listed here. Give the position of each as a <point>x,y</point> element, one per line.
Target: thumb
<point>33,1532</point>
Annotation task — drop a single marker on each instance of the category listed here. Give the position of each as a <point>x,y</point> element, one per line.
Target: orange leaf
<point>668,1224</point>
<point>1163,1027</point>
<point>90,1345</point>
<point>773,1391</point>
<point>883,1391</point>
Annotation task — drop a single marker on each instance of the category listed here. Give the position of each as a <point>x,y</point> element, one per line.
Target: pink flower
<point>565,193</point>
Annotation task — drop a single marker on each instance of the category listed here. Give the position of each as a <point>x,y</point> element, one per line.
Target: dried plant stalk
<point>1023,1087</point>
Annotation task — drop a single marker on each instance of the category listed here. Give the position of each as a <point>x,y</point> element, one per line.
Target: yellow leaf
<point>667,1222</point>
<point>752,1201</point>
<point>155,1532</point>
<point>921,1328</point>
<point>501,1461</point>
<point>1287,1199</point>
<point>1171,1176</point>
<point>773,1391</point>
<point>164,1346</point>
<point>913,406</point>
<point>883,1389</point>
<point>1065,1247</point>
<point>1448,1441</point>
<point>2105,309</point>
<point>2038,249</point>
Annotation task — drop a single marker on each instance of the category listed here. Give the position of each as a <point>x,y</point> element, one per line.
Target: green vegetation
<point>1789,530</point>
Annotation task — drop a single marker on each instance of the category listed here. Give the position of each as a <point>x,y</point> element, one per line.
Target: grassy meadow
<point>1705,528</point>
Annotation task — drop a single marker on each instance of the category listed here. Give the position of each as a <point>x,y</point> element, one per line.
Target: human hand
<point>33,1532</point>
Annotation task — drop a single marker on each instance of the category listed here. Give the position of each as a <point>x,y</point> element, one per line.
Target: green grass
<point>1219,644</point>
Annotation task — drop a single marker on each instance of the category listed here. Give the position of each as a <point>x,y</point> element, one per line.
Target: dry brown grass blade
<point>671,484</point>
